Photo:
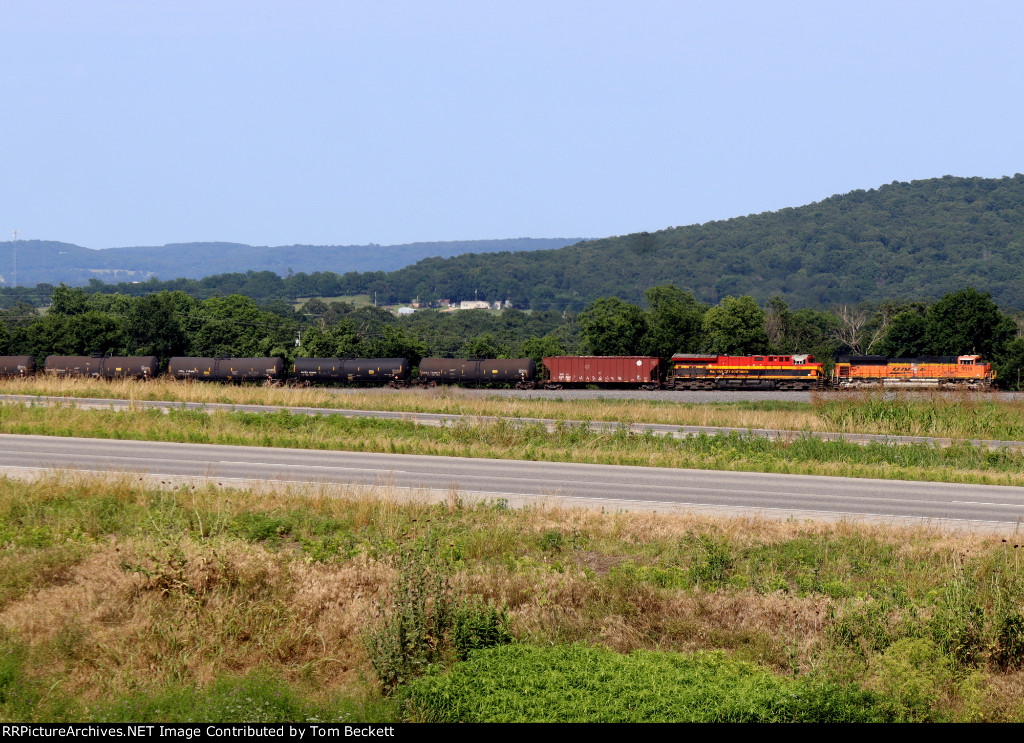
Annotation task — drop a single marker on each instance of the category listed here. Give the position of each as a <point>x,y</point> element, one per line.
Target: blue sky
<point>143,123</point>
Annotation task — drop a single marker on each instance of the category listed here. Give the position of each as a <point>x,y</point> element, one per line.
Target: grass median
<point>938,414</point>
<point>802,454</point>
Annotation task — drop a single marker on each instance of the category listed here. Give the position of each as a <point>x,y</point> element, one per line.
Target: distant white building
<point>405,310</point>
<point>474,305</point>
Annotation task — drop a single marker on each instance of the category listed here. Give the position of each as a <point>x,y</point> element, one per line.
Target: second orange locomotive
<point>943,372</point>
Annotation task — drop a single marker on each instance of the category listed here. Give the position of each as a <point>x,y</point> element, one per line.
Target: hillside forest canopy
<point>669,320</point>
<point>920,240</point>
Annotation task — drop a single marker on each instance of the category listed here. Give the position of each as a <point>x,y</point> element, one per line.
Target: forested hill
<point>914,240</point>
<point>49,262</point>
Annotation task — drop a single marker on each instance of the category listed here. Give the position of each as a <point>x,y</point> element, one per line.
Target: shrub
<point>552,541</point>
<point>411,633</point>
<point>260,527</point>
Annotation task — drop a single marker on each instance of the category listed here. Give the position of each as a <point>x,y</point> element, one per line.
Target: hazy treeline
<point>669,321</point>
<point>48,261</point>
<point>919,240</point>
<point>263,286</point>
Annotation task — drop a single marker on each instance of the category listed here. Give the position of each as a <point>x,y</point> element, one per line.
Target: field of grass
<point>803,454</point>
<point>123,602</point>
<point>359,300</point>
<point>966,416</point>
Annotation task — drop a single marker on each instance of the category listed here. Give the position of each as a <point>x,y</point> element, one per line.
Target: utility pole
<point>14,244</point>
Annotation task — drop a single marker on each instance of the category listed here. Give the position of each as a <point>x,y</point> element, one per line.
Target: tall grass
<point>958,416</point>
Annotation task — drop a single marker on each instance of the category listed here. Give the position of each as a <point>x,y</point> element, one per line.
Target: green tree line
<point>921,239</point>
<point>669,320</point>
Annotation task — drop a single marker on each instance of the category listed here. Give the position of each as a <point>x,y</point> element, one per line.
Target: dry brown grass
<point>207,611</point>
<point>569,607</point>
<point>998,699</point>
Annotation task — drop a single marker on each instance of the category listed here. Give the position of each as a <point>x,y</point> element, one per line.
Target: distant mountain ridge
<point>904,241</point>
<point>909,241</point>
<point>41,261</point>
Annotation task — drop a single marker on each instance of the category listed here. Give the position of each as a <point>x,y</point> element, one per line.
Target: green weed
<point>261,527</point>
<point>424,625</point>
<point>912,674</point>
<point>19,694</point>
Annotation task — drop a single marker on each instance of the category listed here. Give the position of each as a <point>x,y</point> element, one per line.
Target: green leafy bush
<point>552,541</point>
<point>575,683</point>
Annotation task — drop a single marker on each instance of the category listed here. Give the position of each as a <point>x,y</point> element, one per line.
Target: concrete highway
<point>610,487</point>
<point>441,419</point>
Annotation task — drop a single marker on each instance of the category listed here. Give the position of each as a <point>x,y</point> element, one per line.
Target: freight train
<point>693,371</point>
<point>108,367</point>
<point>17,366</point>
<point>227,369</point>
<point>519,372</point>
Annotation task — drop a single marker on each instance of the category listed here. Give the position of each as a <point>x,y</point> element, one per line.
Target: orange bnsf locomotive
<point>943,372</point>
<point>700,371</point>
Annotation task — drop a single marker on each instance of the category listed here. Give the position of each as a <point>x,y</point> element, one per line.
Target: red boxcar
<point>632,371</point>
